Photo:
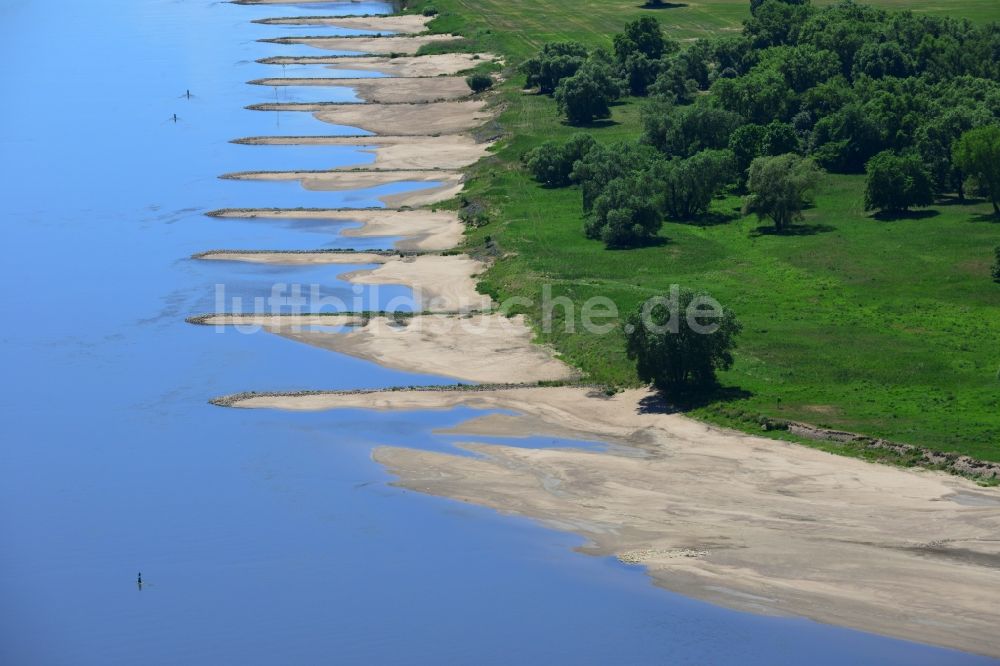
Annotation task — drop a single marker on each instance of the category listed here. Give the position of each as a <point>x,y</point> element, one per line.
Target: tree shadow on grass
<point>713,218</point>
<point>896,215</point>
<point>662,5</point>
<point>793,230</point>
<point>955,201</point>
<point>658,241</point>
<point>991,218</point>
<point>658,403</point>
<point>594,124</point>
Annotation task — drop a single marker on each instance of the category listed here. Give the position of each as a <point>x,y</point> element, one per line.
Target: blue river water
<point>264,537</point>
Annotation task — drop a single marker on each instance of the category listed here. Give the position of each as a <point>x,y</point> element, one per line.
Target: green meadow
<point>888,327</point>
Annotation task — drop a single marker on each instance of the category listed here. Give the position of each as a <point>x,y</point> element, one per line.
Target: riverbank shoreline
<point>745,522</point>
<point>749,523</point>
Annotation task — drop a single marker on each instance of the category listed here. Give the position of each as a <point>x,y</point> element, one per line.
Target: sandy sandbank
<point>751,523</point>
<point>398,119</point>
<point>365,45</point>
<point>419,229</point>
<point>441,184</point>
<point>403,66</point>
<point>295,258</point>
<point>439,283</point>
<point>404,24</point>
<point>476,347</point>
<point>386,90</point>
<point>285,2</point>
<point>448,151</point>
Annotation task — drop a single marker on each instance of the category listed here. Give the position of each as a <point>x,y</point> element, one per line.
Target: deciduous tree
<point>688,185</point>
<point>896,182</point>
<point>680,340</point>
<point>977,153</point>
<point>624,214</point>
<point>780,187</point>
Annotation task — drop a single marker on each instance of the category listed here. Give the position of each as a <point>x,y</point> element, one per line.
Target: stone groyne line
<point>338,251</point>
<point>412,228</point>
<point>431,65</point>
<point>233,399</point>
<point>243,175</point>
<point>365,44</point>
<point>396,25</point>
<point>384,90</point>
<point>206,319</point>
<point>264,212</point>
<point>920,456</point>
<point>344,82</point>
<point>321,106</point>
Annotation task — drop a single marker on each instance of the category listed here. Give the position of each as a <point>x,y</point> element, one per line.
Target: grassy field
<point>887,327</point>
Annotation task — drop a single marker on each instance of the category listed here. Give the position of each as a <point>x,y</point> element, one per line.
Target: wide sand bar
<point>448,151</point>
<point>475,347</point>
<point>427,66</point>
<point>397,119</point>
<point>747,522</point>
<point>372,45</point>
<point>442,184</point>
<point>439,283</point>
<point>387,90</point>
<point>404,24</point>
<point>420,229</point>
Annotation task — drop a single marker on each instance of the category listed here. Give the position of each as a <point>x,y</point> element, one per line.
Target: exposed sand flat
<point>448,151</point>
<point>387,90</point>
<point>372,45</point>
<point>285,2</point>
<point>280,322</point>
<point>398,119</point>
<point>400,24</point>
<point>442,184</point>
<point>477,348</point>
<point>420,229</point>
<point>295,258</point>
<point>746,522</point>
<point>428,65</point>
<point>439,283</point>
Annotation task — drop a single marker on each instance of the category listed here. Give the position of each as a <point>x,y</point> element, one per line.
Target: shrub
<point>555,62</point>
<point>479,82</point>
<point>780,187</point>
<point>624,214</point>
<point>688,185</point>
<point>639,72</point>
<point>430,11</point>
<point>977,153</point>
<point>587,95</point>
<point>605,162</point>
<point>645,36</point>
<point>686,130</point>
<point>673,84</point>
<point>896,182</point>
<point>676,345</point>
<point>552,163</point>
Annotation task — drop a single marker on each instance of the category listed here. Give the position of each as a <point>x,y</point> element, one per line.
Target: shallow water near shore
<point>263,537</point>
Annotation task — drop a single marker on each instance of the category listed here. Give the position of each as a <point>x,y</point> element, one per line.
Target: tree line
<point>911,101</point>
<point>854,88</point>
